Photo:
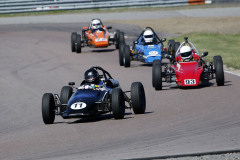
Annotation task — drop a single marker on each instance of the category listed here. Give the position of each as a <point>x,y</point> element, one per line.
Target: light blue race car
<point>147,48</point>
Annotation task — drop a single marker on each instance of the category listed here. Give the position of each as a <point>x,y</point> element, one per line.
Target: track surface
<point>36,59</point>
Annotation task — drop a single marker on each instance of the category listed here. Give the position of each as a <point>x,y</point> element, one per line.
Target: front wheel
<point>218,64</point>
<point>138,98</point>
<point>157,75</point>
<point>79,45</point>
<point>65,94</point>
<point>118,103</point>
<point>48,108</point>
<point>126,58</point>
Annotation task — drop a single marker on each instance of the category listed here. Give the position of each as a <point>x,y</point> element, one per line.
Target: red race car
<point>96,35</point>
<point>187,68</point>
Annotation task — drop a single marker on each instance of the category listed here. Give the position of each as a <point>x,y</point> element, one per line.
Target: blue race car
<point>147,48</point>
<point>98,94</point>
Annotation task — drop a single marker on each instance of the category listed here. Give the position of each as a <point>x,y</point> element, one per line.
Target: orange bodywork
<point>97,39</point>
<point>196,2</point>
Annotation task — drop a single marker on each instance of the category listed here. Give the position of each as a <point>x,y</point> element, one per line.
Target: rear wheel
<point>48,108</point>
<point>121,37</point>
<point>153,75</point>
<point>118,104</point>
<point>171,46</point>
<point>126,58</point>
<point>138,98</point>
<point>176,46</point>
<point>157,75</point>
<point>79,45</point>
<point>121,53</point>
<point>218,64</point>
<point>116,38</point>
<point>73,40</point>
<point>65,94</point>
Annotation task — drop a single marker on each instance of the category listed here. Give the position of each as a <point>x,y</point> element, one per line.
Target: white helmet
<point>96,24</point>
<point>186,53</point>
<point>148,36</point>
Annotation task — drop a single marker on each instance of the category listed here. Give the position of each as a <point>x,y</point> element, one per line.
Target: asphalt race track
<point>36,58</point>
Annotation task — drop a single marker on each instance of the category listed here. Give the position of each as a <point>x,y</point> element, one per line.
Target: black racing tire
<point>118,104</point>
<point>48,108</point>
<point>79,45</point>
<point>116,38</point>
<point>73,40</point>
<point>121,53</point>
<point>218,65</point>
<point>126,58</point>
<point>138,98</point>
<point>157,75</point>
<point>153,75</point>
<point>171,47</point>
<point>121,37</point>
<point>65,95</point>
<point>176,46</point>
<point>84,37</point>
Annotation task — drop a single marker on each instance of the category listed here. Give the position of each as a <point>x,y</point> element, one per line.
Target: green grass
<point>216,44</point>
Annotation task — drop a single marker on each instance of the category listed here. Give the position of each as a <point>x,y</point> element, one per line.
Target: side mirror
<point>85,28</point>
<point>71,83</point>
<point>204,54</point>
<point>109,27</point>
<point>163,40</point>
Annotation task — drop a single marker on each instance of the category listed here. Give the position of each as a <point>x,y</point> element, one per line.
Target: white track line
<point>233,73</point>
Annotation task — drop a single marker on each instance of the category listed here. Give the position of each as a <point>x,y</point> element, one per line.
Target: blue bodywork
<point>88,97</point>
<point>148,53</point>
<point>88,102</point>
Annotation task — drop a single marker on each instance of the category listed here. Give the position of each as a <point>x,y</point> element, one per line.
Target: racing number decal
<point>78,105</point>
<point>190,81</point>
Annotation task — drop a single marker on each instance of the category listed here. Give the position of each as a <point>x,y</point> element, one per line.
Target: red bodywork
<point>188,73</point>
<point>98,38</point>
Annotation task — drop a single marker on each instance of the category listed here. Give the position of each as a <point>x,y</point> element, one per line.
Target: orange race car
<point>96,35</point>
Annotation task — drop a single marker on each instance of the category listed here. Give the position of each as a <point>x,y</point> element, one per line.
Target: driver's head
<point>186,53</point>
<point>148,36</point>
<point>91,76</point>
<point>96,24</point>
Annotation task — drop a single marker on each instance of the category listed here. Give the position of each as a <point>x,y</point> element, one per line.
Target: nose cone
<point>188,73</point>
<point>151,53</point>
<point>83,101</point>
<point>101,39</point>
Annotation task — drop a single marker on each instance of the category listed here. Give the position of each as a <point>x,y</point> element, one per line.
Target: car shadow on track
<point>227,83</point>
<point>97,118</point>
<point>204,85</point>
<point>128,115</point>
<point>103,50</point>
<point>145,64</point>
<point>201,86</point>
